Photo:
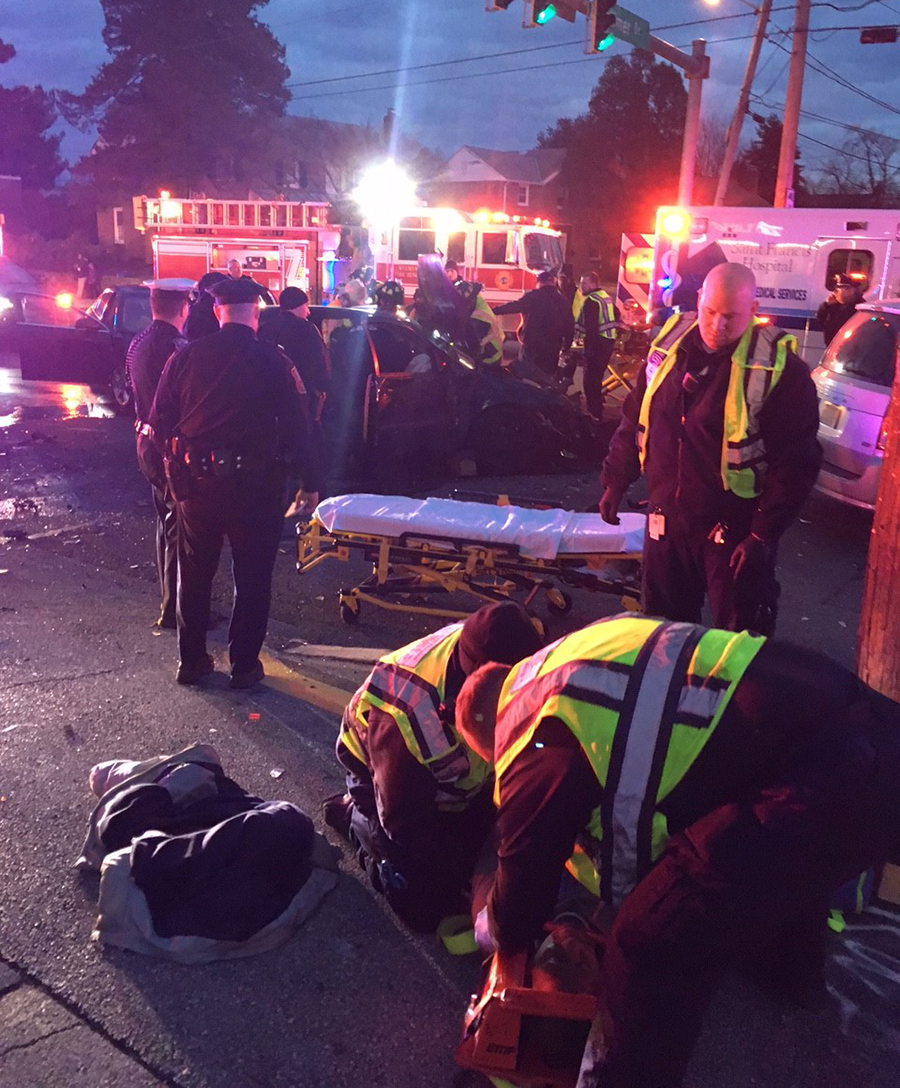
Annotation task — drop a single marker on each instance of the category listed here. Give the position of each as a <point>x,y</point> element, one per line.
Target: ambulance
<point>795,254</point>
<point>502,252</point>
<point>279,243</point>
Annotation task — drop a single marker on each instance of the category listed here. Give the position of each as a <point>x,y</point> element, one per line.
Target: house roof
<point>528,167</point>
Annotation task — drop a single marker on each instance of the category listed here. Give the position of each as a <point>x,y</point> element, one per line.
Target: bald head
<point>727,305</point>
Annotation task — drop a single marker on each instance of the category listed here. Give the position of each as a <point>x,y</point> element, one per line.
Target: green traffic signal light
<point>606,42</point>
<point>544,13</point>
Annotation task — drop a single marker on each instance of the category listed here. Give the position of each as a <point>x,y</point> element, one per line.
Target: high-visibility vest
<point>757,364</point>
<point>492,336</point>
<point>409,685</point>
<point>608,325</point>
<point>642,697</point>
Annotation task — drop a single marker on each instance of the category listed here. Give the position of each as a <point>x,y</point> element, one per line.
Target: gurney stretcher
<point>420,547</point>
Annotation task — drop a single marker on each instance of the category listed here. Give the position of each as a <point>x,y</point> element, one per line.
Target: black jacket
<point>231,391</point>
<point>683,462</point>
<point>147,354</point>
<point>547,323</point>
<point>302,342</point>
<point>201,318</point>
<point>832,314</point>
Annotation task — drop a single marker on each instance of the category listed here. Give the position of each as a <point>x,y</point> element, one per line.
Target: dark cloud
<point>502,102</point>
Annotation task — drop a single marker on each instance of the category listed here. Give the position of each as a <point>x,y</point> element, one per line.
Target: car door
<point>409,399</point>
<point>57,342</point>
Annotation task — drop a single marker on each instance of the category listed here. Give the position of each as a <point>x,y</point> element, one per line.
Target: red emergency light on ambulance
<point>796,255</point>
<point>502,252</point>
<point>279,243</point>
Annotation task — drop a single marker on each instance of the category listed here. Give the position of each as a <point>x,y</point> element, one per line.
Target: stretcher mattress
<point>539,534</point>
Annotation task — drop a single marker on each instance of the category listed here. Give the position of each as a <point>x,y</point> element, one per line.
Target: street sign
<point>631,28</point>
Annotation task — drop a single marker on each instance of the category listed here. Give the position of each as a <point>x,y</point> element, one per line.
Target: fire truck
<point>279,243</point>
<point>795,254</point>
<point>502,252</point>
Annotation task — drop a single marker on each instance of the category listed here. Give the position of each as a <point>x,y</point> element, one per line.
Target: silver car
<point>854,385</point>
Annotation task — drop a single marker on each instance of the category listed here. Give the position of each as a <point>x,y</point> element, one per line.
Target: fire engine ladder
<point>223,216</point>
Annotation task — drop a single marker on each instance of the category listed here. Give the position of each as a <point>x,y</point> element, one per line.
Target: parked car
<point>404,402</point>
<point>854,385</point>
<point>57,341</point>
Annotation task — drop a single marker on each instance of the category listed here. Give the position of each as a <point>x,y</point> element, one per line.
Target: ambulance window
<point>856,263</point>
<point>414,242</point>
<point>456,247</point>
<point>493,248</point>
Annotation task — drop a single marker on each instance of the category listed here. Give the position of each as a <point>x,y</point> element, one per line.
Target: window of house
<point>301,175</point>
<point>119,226</point>
<point>414,242</point>
<point>856,263</point>
<point>522,197</point>
<point>278,173</point>
<point>493,248</point>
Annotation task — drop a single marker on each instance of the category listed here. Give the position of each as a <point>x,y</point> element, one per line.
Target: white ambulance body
<point>795,254</point>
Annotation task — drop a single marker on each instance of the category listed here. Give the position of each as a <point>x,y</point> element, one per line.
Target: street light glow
<point>385,193</point>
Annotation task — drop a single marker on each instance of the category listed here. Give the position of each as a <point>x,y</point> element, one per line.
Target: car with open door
<point>404,403</point>
<point>57,341</point>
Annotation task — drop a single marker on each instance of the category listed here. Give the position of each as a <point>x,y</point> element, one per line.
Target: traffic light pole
<point>734,129</point>
<point>696,73</point>
<point>784,182</point>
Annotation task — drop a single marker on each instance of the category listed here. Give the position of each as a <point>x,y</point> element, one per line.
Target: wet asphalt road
<point>76,538</point>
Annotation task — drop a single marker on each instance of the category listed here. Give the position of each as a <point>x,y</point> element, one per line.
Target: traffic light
<point>600,28</point>
<point>878,35</point>
<point>539,12</point>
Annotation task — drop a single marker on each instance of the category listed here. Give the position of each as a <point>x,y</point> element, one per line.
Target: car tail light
<point>882,436</point>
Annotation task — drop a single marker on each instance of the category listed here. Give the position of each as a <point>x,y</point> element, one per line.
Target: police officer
<point>230,417</point>
<point>712,788</point>
<point>723,422</point>
<point>547,325</point>
<point>484,335</point>
<point>289,327</point>
<point>596,319</point>
<point>201,319</point>
<point>839,307</point>
<point>147,355</point>
<point>418,804</point>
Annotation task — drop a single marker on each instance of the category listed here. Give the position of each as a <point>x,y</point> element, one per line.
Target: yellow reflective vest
<point>757,364</point>
<point>608,326</point>
<point>492,333</point>
<point>409,685</point>
<point>642,696</point>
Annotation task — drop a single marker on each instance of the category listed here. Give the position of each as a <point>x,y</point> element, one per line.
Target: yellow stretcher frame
<point>416,565</point>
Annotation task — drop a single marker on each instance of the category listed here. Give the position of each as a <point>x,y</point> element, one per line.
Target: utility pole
<point>784,183</point>
<point>734,129</point>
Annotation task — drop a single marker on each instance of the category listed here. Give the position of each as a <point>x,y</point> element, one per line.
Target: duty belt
<point>222,462</point>
<point>143,428</point>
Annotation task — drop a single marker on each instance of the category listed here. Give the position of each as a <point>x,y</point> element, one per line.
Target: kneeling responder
<point>715,787</point>
<point>484,334</point>
<point>418,805</point>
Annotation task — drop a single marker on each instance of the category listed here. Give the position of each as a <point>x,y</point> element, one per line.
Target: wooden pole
<point>784,184</point>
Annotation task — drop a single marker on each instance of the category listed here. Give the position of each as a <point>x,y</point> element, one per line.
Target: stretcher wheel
<point>539,626</point>
<point>349,612</point>
<point>559,601</point>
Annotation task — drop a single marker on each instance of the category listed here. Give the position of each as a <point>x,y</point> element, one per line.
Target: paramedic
<point>596,323</point>
<point>484,336</point>
<point>722,421</point>
<point>418,805</point>
<point>712,788</point>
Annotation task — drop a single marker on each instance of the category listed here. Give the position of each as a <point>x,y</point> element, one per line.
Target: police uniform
<point>420,803</point>
<point>717,785</point>
<point>230,415</point>
<point>727,443</point>
<point>595,327</point>
<point>145,359</point>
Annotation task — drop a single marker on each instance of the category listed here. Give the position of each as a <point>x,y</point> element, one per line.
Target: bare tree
<point>711,146</point>
<point>868,163</point>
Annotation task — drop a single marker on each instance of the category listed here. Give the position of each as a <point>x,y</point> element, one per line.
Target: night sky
<point>501,102</point>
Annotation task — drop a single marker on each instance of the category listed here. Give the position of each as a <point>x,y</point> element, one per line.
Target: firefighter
<point>147,355</point>
<point>230,418</point>
<point>484,334</point>
<point>596,324</point>
<point>452,270</point>
<point>722,421</point>
<point>418,804</point>
<point>389,297</point>
<point>712,788</point>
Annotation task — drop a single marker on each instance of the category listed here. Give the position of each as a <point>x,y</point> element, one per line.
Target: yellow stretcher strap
<point>456,934</point>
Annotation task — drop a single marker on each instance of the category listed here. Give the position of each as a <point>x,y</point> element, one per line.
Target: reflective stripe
<point>413,654</point>
<point>657,681</point>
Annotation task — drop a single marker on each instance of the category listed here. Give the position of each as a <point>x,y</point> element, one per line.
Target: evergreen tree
<point>27,150</point>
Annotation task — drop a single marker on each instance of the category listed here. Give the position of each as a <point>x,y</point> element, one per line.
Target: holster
<point>178,474</point>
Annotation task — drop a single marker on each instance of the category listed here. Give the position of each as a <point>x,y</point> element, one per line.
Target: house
<point>516,182</point>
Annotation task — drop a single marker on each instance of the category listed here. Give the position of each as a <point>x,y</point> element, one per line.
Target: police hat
<point>292,297</point>
<point>231,292</point>
<point>171,283</point>
<point>208,279</point>
<point>844,281</point>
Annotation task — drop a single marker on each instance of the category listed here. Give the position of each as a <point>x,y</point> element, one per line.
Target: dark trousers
<point>248,509</point>
<point>430,887</point>
<point>595,363</point>
<point>684,566</point>
<point>747,875</point>
<point>166,551</point>
<point>543,356</point>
